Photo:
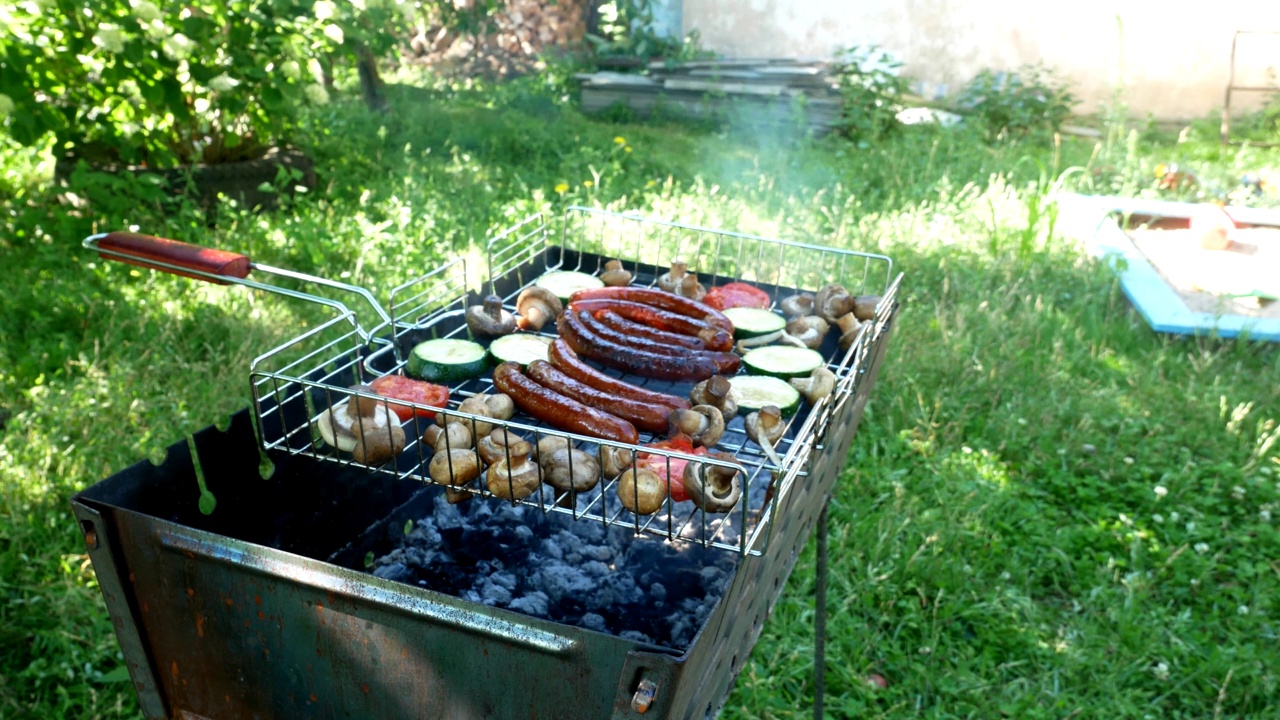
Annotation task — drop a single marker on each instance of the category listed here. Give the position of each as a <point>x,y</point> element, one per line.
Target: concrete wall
<point>1170,57</point>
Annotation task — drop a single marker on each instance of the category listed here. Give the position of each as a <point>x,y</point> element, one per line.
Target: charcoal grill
<point>265,608</point>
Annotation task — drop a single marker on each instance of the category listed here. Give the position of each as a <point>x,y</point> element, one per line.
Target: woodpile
<point>516,36</point>
<point>769,92</point>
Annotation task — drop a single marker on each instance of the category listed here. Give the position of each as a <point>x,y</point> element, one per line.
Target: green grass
<point>998,545</point>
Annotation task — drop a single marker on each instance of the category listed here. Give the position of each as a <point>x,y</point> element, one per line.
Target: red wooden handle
<point>145,251</point>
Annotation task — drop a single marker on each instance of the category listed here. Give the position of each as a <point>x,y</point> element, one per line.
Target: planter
<point>237,180</point>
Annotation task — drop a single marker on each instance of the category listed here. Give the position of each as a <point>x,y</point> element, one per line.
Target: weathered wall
<point>1170,58</point>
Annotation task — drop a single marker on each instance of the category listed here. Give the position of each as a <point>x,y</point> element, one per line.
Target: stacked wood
<point>767,92</point>
<point>513,43</point>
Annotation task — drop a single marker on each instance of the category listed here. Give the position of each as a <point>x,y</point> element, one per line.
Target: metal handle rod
<point>820,617</point>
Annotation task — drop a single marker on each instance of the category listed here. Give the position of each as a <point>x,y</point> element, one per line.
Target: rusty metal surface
<point>237,615</point>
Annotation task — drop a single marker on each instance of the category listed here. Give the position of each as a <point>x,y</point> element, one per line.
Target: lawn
<point>1049,510</point>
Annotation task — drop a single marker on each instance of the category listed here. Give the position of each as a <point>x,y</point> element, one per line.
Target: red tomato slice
<point>736,294</point>
<point>400,387</point>
<point>659,463</point>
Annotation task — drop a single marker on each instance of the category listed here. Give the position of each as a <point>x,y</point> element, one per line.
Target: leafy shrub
<point>871,89</point>
<point>167,83</point>
<point>626,29</point>
<point>1029,102</point>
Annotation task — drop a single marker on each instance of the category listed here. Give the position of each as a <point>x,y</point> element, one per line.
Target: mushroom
<point>670,281</point>
<point>514,476</point>
<point>717,392</point>
<point>567,469</point>
<point>548,445</point>
<point>713,488</point>
<point>818,385</point>
<point>614,275</point>
<point>850,328</point>
<point>766,428</point>
<point>809,330</point>
<point>702,423</point>
<point>455,467</point>
<point>641,491</point>
<point>454,436</point>
<point>337,425</point>
<point>496,445</point>
<point>535,306</point>
<point>490,319</point>
<point>832,302</point>
<point>797,305</point>
<point>691,288</point>
<point>375,443</point>
<point>615,460</point>
<point>757,341</point>
<point>500,406</point>
<point>474,405</point>
<point>864,306</point>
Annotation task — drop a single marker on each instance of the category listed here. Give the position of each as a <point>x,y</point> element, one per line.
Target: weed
<point>1030,102</point>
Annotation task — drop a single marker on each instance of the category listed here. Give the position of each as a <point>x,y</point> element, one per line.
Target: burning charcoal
<point>592,621</point>
<point>551,549</point>
<point>505,579</point>
<point>394,571</point>
<point>471,596</point>
<point>603,553</point>
<point>560,580</point>
<point>635,636</point>
<point>535,603</point>
<point>494,594</point>
<point>658,591</point>
<point>713,578</point>
<point>523,534</point>
<point>595,569</point>
<point>447,516</point>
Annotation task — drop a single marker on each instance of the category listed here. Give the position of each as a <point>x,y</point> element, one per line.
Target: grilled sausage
<point>635,329</point>
<point>726,363</point>
<point>712,337</point>
<point>659,299</point>
<point>559,411</point>
<point>568,362</point>
<point>692,368</point>
<point>650,418</point>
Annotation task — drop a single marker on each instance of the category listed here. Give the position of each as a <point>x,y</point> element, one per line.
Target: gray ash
<point>572,572</point>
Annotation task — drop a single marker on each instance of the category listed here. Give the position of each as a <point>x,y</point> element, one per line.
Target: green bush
<point>1032,101</point>
<point>871,89</point>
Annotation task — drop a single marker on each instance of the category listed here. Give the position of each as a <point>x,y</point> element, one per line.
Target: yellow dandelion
<point>620,140</point>
<point>627,148</point>
<point>651,183</point>
<point>587,183</point>
<point>562,188</point>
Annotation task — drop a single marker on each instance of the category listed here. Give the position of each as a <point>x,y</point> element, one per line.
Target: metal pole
<point>820,617</point>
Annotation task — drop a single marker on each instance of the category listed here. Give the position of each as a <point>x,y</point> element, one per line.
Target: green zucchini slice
<point>447,360</point>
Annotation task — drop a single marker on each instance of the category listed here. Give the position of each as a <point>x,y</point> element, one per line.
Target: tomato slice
<point>400,387</point>
<point>736,294</point>
<point>659,463</point>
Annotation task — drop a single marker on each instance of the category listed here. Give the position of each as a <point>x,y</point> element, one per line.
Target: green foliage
<point>1030,102</point>
<point>871,89</point>
<point>627,30</point>
<point>164,84</point>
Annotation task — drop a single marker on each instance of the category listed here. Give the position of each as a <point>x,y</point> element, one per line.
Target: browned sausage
<point>635,329</point>
<point>650,418</point>
<point>713,338</point>
<point>726,363</point>
<point>692,368</point>
<point>659,299</point>
<point>559,411</point>
<point>568,362</point>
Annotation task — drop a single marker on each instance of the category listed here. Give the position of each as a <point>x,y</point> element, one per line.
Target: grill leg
<point>820,618</point>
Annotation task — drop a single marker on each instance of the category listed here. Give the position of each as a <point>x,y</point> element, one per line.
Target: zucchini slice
<point>784,361</point>
<point>755,391</point>
<point>564,283</point>
<point>519,348</point>
<point>447,360</point>
<point>754,322</point>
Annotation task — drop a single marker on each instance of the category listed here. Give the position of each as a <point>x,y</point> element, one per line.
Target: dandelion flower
<point>145,11</point>
<point>223,83</point>
<point>6,106</point>
<point>627,149</point>
<point>562,188</point>
<point>110,38</point>
<point>587,183</point>
<point>334,33</point>
<point>1161,671</point>
<point>620,140</point>
<point>1161,491</point>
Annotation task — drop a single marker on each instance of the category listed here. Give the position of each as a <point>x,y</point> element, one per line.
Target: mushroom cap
<point>641,490</point>
<point>535,306</point>
<point>713,488</point>
<point>670,280</point>
<point>766,423</point>
<point>567,469</point>
<point>454,436</point>
<point>548,444</point>
<point>490,319</point>
<point>501,443</point>
<point>615,275</point>
<point>615,460</point>
<point>337,427</point>
<point>455,467</point>
<point>375,444</point>
<point>832,301</point>
<point>704,424</point>
<point>500,405</point>
<point>864,306</point>
<point>474,405</point>
<point>820,383</point>
<point>717,392</point>
<point>797,305</point>
<point>516,478</point>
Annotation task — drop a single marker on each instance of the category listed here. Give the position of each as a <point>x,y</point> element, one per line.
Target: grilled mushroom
<point>455,467</point>
<point>567,469</point>
<point>797,305</point>
<point>490,319</point>
<point>766,428</point>
<point>641,491</point>
<point>614,275</point>
<point>717,392</point>
<point>850,328</point>
<point>474,405</point>
<point>376,444</point>
<point>614,461</point>
<point>500,406</point>
<point>536,306</point>
<point>670,280</point>
<point>514,477</point>
<point>864,306</point>
<point>711,487</point>
<point>691,288</point>
<point>818,385</point>
<point>548,445</point>
<point>454,436</point>
<point>495,446</point>
<point>809,330</point>
<point>704,424</point>
<point>337,425</point>
<point>832,302</point>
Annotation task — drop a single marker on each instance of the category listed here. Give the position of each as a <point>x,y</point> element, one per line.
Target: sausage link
<point>568,362</point>
<point>635,329</point>
<point>559,411</point>
<point>712,337</point>
<point>650,418</point>
<point>692,368</point>
<point>726,363</point>
<point>659,299</point>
